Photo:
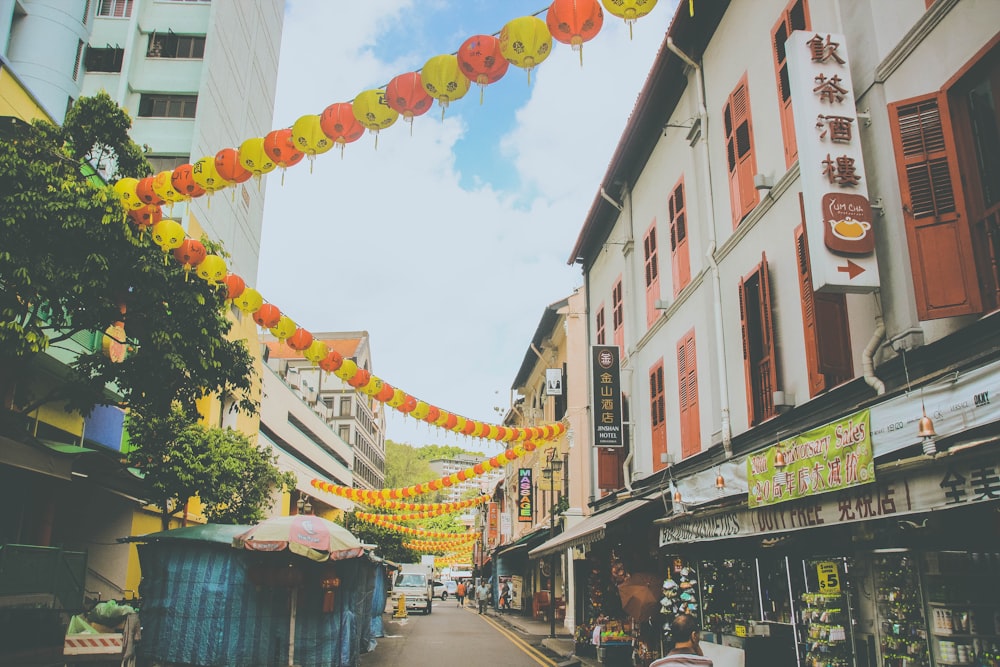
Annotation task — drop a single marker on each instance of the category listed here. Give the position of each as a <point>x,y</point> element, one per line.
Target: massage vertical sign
<point>838,216</point>
<point>525,488</point>
<point>829,458</point>
<point>607,393</point>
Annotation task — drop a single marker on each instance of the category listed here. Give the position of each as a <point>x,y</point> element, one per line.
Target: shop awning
<point>524,543</point>
<point>48,458</point>
<point>589,530</point>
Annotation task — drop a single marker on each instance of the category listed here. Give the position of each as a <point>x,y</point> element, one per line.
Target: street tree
<point>71,263</point>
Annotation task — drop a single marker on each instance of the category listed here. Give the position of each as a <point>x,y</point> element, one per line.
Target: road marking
<point>525,647</point>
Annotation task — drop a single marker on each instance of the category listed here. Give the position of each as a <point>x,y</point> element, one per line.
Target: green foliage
<point>404,466</point>
<point>431,452</point>
<point>445,523</point>
<point>234,478</point>
<point>69,261</point>
<point>390,544</point>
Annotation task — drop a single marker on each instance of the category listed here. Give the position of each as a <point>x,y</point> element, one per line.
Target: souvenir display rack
<point>728,596</point>
<point>825,615</point>
<point>901,625</point>
<point>963,605</point>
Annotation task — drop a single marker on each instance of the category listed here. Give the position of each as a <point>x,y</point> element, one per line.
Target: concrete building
<point>795,245</point>
<point>355,420</point>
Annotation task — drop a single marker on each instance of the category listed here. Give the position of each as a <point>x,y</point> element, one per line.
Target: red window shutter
<point>817,381</point>
<point>651,273</point>
<point>759,359</point>
<point>795,17</point>
<point>687,392</point>
<point>769,371</point>
<point>609,468</point>
<point>939,239</point>
<point>680,259</point>
<point>657,415</point>
<point>742,163</point>
<point>599,322</point>
<point>618,316</point>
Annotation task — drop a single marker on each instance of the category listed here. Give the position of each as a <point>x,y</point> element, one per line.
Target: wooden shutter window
<point>742,163</point>
<point>942,260</point>
<point>618,315</point>
<point>657,415</point>
<point>687,393</point>
<point>795,17</point>
<point>599,322</point>
<point>759,359</point>
<point>680,259</point>
<point>651,273</point>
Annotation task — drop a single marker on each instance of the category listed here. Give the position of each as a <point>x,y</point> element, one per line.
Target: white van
<point>414,581</point>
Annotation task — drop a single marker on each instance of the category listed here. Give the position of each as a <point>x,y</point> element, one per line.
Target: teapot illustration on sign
<point>849,229</point>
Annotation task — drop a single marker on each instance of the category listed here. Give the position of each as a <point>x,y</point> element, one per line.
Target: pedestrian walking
<point>504,604</point>
<point>686,652</point>
<point>482,596</point>
<point>460,593</point>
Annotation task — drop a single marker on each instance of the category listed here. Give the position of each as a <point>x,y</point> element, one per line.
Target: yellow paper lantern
<point>459,423</point>
<point>454,478</point>
<point>525,42</point>
<point>285,327</point>
<point>316,351</point>
<point>420,411</point>
<point>347,370</point>
<point>308,137</point>
<point>442,418</point>
<point>125,189</point>
<point>443,80</point>
<point>206,175</point>
<point>168,234</point>
<point>254,158</point>
<point>212,269</point>
<point>249,301</point>
<point>493,432</point>
<point>629,10</point>
<point>471,473</point>
<point>372,111</point>
<point>398,397</point>
<point>164,187</point>
<point>374,386</point>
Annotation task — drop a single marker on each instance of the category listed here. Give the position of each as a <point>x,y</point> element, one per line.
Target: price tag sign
<point>829,578</point>
<point>741,630</point>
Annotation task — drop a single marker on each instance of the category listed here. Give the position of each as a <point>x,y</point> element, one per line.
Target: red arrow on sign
<point>852,270</point>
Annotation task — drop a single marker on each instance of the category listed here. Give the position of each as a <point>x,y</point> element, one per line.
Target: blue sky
<point>447,245</point>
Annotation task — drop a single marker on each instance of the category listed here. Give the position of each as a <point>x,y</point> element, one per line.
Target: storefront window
<point>901,627</point>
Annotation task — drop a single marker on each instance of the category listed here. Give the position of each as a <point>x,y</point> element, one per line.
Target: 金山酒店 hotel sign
<point>607,393</point>
<point>829,458</point>
<point>838,216</point>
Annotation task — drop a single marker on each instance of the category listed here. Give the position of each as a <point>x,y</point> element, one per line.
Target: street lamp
<point>549,472</point>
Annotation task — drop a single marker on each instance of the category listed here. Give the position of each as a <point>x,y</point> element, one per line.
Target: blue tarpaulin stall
<point>205,603</point>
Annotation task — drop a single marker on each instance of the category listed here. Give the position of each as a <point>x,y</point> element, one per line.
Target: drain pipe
<point>708,203</point>
<point>867,358</point>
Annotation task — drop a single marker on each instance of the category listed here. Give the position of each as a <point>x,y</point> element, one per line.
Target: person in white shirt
<point>686,651</point>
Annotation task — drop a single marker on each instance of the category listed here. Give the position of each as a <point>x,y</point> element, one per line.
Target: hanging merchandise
<point>826,616</point>
<point>279,147</point>
<point>406,95</point>
<point>729,597</point>
<point>443,80</point>
<point>371,110</point>
<point>182,180</point>
<point>482,61</point>
<point>308,136</point>
<point>574,22</point>
<point>901,627</point>
<point>630,10</point>
<point>338,122</point>
<point>525,42</point>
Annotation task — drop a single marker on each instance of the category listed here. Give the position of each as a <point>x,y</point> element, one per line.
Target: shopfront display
<point>963,602</point>
<point>729,596</point>
<point>826,617</point>
<point>901,627</point>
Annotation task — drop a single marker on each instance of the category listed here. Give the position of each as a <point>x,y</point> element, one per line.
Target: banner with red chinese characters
<point>839,223</point>
<point>832,457</point>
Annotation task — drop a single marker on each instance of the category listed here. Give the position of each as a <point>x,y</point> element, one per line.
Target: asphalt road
<point>455,637</point>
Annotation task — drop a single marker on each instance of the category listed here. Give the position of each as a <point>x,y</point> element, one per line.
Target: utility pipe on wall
<point>708,203</point>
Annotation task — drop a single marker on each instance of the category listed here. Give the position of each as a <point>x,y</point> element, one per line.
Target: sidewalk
<point>562,644</point>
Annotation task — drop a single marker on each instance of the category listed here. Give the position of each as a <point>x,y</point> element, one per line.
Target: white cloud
<point>449,282</point>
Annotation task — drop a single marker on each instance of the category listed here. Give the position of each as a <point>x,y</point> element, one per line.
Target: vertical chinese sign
<point>525,510</point>
<point>838,215</point>
<point>832,457</point>
<point>607,395</point>
<point>492,523</point>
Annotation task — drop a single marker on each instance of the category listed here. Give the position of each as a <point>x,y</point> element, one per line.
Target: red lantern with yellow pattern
<point>481,61</point>
<point>574,22</point>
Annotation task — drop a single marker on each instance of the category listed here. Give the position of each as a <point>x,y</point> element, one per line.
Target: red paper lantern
<point>234,285</point>
<point>147,216</point>
<point>338,122</point>
<point>408,404</point>
<point>331,362</point>
<point>461,475</point>
<point>182,180</point>
<point>385,393</point>
<point>574,22</point>
<point>279,147</point>
<point>446,481</point>
<point>360,378</point>
<point>478,468</point>
<point>227,163</point>
<point>480,60</point>
<point>190,253</point>
<point>530,446</point>
<point>433,485</point>
<point>495,462</point>
<point>300,340</point>
<point>405,94</point>
<point>433,413</point>
<point>452,420</point>
<point>267,315</point>
<point>470,426</point>
<point>144,190</point>
<point>510,454</point>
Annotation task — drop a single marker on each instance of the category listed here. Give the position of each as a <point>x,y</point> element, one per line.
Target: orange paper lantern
<point>183,181</point>
<point>267,315</point>
<point>574,22</point>
<point>300,340</point>
<point>279,147</point>
<point>227,163</point>
<point>338,122</point>
<point>144,190</point>
<point>190,254</point>
<point>234,286</point>
<point>331,362</point>
<point>406,95</point>
<point>481,61</point>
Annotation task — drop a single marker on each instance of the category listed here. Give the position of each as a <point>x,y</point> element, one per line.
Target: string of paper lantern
<point>418,545</point>
<point>524,42</point>
<point>375,498</point>
<point>413,516</point>
<point>420,532</point>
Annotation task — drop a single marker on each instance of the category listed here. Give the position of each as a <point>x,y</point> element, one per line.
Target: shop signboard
<point>832,457</point>
<point>492,523</point>
<point>828,575</point>
<point>525,487</point>
<point>838,215</point>
<point>607,393</point>
<point>939,485</point>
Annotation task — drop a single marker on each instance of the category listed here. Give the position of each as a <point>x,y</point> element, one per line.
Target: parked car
<point>442,589</point>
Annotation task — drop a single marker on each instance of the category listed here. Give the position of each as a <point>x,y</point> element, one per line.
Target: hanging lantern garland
<point>420,532</point>
<point>375,498</point>
<point>429,545</point>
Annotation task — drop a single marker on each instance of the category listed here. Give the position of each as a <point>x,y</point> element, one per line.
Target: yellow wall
<point>15,100</point>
